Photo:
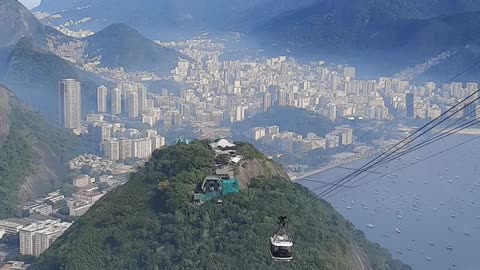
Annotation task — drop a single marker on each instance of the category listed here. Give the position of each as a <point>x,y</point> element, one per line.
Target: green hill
<point>33,154</point>
<point>118,45</point>
<point>139,226</point>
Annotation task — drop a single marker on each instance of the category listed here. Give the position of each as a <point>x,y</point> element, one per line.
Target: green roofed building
<point>213,188</point>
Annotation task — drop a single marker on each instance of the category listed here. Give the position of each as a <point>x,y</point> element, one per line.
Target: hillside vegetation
<point>138,226</point>
<point>32,154</point>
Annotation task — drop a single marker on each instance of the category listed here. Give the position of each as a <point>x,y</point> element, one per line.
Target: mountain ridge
<point>119,45</point>
<point>143,226</point>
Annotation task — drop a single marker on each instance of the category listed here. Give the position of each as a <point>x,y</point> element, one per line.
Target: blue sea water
<point>434,203</point>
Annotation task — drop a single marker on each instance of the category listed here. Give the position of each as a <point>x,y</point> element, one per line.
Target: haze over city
<point>312,134</point>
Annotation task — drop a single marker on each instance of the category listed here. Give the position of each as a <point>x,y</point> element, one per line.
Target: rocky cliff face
<point>251,169</point>
<point>16,21</point>
<point>4,113</point>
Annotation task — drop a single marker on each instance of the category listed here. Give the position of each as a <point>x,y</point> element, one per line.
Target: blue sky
<point>30,3</point>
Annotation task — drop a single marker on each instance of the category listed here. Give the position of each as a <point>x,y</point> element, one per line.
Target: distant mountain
<point>143,226</point>
<point>33,73</point>
<point>365,32</point>
<point>33,153</point>
<point>118,45</point>
<point>162,19</point>
<point>16,22</point>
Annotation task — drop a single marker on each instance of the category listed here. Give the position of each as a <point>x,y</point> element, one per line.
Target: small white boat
<point>397,230</point>
<point>370,226</point>
<point>349,207</point>
<point>428,259</point>
<point>450,248</point>
<point>431,243</point>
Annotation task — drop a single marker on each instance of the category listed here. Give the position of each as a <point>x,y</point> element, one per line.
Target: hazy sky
<point>30,3</point>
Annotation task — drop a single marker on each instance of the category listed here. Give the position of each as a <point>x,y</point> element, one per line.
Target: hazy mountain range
<point>172,18</point>
<point>31,69</point>
<point>360,32</point>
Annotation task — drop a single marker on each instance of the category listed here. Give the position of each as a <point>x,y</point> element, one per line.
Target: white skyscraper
<point>102,93</point>
<point>116,101</point>
<point>132,104</point>
<point>70,103</point>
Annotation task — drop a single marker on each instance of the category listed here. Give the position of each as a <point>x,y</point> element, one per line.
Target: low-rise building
<point>81,181</point>
<point>79,209</point>
<point>10,227</point>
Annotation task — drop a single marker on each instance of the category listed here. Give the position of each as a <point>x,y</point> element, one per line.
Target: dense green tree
<point>139,226</point>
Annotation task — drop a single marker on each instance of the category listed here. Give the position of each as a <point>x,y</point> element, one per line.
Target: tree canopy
<point>139,226</point>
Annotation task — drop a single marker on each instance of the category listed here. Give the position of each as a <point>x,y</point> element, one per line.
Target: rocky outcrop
<point>16,21</point>
<point>257,168</point>
<point>4,114</point>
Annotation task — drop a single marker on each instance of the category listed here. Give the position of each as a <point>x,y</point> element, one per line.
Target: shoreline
<point>300,176</point>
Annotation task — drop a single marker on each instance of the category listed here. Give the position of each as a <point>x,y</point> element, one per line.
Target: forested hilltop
<point>146,225</point>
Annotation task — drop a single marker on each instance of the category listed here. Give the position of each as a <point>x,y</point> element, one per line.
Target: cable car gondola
<point>281,244</point>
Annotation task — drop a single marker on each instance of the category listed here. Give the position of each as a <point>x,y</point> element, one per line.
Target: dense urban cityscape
<point>214,93</point>
<point>209,97</point>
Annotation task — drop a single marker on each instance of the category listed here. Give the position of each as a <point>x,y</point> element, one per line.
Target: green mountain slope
<point>33,73</point>
<point>138,226</point>
<point>121,46</point>
<point>32,153</point>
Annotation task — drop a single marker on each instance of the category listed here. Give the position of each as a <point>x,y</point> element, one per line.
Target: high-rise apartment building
<point>125,149</point>
<point>37,237</point>
<point>142,148</point>
<point>111,149</point>
<point>267,101</point>
<point>132,105</point>
<point>116,101</point>
<point>70,103</point>
<point>102,93</point>
<point>142,96</point>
